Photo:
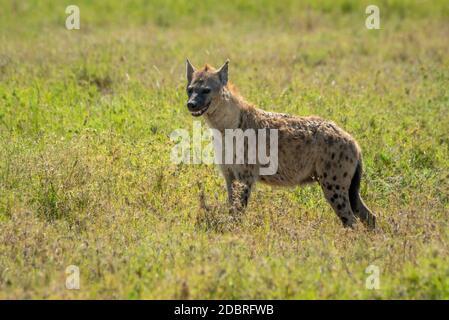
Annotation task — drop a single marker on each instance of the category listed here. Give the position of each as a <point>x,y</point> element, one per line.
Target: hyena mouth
<point>200,112</point>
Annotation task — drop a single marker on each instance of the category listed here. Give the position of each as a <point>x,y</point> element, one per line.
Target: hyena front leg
<point>230,180</point>
<point>241,190</point>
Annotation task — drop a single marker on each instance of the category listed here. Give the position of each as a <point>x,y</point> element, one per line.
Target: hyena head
<point>204,86</point>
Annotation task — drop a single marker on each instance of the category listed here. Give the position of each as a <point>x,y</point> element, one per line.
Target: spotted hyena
<point>309,148</point>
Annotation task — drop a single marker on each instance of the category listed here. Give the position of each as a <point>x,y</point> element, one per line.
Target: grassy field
<point>85,171</point>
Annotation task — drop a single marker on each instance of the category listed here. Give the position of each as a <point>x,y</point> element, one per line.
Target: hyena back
<point>309,148</point>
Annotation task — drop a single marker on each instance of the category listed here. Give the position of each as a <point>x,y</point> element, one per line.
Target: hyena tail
<point>357,205</point>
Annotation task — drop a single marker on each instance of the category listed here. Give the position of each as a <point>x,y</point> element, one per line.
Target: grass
<point>85,171</point>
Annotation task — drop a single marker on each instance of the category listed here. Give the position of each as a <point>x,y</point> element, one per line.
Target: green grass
<point>85,171</point>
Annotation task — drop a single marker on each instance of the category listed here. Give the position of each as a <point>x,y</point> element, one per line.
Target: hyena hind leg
<point>339,201</point>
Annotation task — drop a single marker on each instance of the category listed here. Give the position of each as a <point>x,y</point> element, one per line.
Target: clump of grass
<point>103,82</point>
<point>63,188</point>
<point>216,216</point>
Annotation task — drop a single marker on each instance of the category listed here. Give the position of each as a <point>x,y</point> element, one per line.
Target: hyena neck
<point>226,111</point>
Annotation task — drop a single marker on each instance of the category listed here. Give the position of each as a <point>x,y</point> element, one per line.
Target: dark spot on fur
<point>333,156</point>
<point>344,219</point>
<point>325,175</point>
<point>334,178</point>
<point>328,165</point>
<point>345,174</point>
<point>337,187</point>
<point>335,196</point>
<point>343,205</point>
<point>329,187</point>
<point>339,207</point>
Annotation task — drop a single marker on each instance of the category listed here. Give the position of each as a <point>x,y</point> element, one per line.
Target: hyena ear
<point>189,71</point>
<point>223,73</point>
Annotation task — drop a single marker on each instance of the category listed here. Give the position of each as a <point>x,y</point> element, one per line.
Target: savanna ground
<point>85,171</point>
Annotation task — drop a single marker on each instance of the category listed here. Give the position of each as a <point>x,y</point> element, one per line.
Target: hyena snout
<point>197,105</point>
<point>192,105</point>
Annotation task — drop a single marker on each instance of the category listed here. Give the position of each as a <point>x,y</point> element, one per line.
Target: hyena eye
<point>189,91</point>
<point>205,91</point>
